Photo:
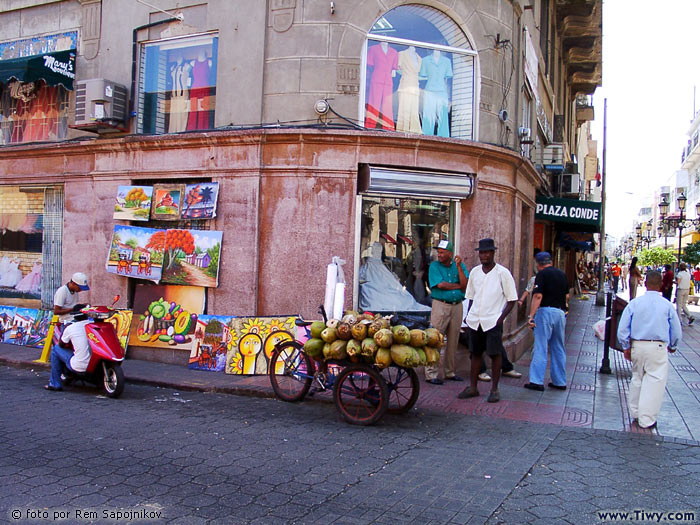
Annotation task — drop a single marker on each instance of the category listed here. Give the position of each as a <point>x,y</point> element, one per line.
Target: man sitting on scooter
<point>61,355</point>
<point>66,297</point>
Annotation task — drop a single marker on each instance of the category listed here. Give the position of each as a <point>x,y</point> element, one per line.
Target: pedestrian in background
<point>648,327</point>
<point>492,295</point>
<point>635,278</point>
<point>667,282</point>
<point>615,271</point>
<point>625,273</point>
<point>448,280</point>
<point>696,278</point>
<point>548,320</point>
<point>682,292</point>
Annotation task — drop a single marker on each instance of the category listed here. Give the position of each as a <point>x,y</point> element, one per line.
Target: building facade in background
<point>363,130</point>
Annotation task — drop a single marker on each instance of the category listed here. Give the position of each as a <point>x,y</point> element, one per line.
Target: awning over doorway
<point>578,215</point>
<point>380,180</point>
<point>54,68</point>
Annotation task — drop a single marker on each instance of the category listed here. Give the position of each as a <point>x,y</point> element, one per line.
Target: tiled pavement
<point>593,400</point>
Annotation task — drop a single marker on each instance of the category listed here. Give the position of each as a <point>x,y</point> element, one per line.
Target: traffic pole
<point>600,294</point>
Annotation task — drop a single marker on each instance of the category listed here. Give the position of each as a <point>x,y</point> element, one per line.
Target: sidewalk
<point>593,400</point>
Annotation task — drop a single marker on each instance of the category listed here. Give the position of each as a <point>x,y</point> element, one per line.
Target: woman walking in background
<point>635,278</point>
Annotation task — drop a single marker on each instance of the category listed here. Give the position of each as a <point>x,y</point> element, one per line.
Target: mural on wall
<point>136,252</point>
<point>133,203</point>
<point>200,200</point>
<point>191,257</point>
<point>252,341</point>
<point>167,199</point>
<point>22,325</point>
<point>7,317</point>
<point>212,337</point>
<point>165,316</point>
<point>121,321</point>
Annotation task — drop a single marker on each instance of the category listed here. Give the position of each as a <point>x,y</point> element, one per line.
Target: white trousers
<point>649,375</point>
<point>682,303</point>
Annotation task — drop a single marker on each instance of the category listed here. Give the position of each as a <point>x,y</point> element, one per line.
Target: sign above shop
<point>569,211</point>
<point>54,68</point>
<point>380,180</point>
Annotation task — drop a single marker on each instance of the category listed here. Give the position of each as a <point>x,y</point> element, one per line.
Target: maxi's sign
<point>568,210</point>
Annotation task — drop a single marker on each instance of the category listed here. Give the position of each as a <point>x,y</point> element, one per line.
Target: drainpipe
<point>134,48</point>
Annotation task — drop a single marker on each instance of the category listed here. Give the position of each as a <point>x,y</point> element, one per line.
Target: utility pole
<point>600,295</point>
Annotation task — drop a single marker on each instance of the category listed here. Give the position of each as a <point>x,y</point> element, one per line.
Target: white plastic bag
<point>335,289</point>
<point>599,329</point>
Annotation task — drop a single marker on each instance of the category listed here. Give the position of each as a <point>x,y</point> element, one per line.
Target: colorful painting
<point>212,337</point>
<point>191,257</point>
<point>252,341</point>
<point>136,252</point>
<point>40,329</point>
<point>165,316</point>
<point>133,203</point>
<point>22,325</point>
<point>121,321</point>
<point>166,202</point>
<point>7,317</point>
<point>200,200</point>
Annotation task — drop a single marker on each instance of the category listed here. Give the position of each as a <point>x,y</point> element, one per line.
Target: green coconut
<point>432,355</point>
<point>422,357</point>
<point>338,349</point>
<point>344,331</point>
<point>433,338</point>
<point>314,348</point>
<point>404,355</point>
<point>383,358</point>
<point>384,338</point>
<point>329,335</point>
<point>418,338</point>
<point>401,334</point>
<point>316,328</point>
<point>353,348</point>
<point>359,331</point>
<point>369,347</point>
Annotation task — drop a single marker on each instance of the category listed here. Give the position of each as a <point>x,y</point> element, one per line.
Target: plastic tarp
<point>380,290</point>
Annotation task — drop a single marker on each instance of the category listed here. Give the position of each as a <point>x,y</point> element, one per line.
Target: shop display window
<point>397,239</point>
<point>419,74</point>
<point>177,89</point>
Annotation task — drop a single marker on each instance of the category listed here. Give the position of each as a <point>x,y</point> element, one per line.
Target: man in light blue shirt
<point>648,327</point>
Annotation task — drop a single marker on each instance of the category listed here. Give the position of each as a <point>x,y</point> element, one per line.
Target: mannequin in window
<point>436,69</point>
<point>384,61</point>
<point>180,75</point>
<point>200,93</point>
<point>408,91</point>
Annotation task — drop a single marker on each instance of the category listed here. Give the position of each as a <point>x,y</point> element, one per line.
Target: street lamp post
<point>680,223</point>
<point>647,239</point>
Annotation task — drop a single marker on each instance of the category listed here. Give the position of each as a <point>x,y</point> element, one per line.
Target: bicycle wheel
<point>360,395</point>
<point>291,371</point>
<point>403,387</point>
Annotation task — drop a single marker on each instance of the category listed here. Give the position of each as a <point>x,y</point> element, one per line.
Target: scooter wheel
<point>113,380</point>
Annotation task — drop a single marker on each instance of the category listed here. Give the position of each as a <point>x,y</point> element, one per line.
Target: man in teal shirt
<point>448,280</point>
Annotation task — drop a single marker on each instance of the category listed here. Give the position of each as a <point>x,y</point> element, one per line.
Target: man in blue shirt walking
<point>648,327</point>
<point>448,281</point>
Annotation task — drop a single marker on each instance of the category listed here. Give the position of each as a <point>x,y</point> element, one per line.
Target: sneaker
<point>512,373</point>
<point>435,381</point>
<point>483,376</point>
<point>691,321</point>
<point>534,386</point>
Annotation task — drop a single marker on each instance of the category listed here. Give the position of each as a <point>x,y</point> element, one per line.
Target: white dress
<point>12,276</point>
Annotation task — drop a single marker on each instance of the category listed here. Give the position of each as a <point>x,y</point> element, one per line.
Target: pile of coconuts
<point>371,339</point>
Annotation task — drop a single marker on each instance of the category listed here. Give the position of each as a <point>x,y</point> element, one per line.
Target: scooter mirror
<point>116,298</point>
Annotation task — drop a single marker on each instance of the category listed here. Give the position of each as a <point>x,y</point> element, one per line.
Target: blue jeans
<point>549,332</point>
<point>60,358</point>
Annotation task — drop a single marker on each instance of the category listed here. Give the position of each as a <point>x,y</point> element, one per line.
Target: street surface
<point>190,457</point>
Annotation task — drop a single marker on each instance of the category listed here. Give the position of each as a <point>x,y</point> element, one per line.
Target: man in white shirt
<point>66,297</point>
<point>682,292</point>
<point>61,355</point>
<point>492,295</point>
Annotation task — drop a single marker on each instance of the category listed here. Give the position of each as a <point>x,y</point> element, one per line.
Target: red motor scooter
<point>104,369</point>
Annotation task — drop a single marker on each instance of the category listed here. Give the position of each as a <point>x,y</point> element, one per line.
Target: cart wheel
<point>360,395</point>
<point>403,387</point>
<point>291,371</point>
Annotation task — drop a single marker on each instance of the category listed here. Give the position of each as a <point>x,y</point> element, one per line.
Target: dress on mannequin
<point>31,283</point>
<point>385,61</point>
<point>199,94</point>
<point>180,74</point>
<point>436,69</point>
<point>408,118</point>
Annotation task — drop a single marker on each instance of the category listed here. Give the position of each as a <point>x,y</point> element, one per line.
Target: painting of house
<point>22,325</point>
<point>210,343</point>
<point>136,252</point>
<point>133,203</point>
<point>200,260</point>
<point>7,316</point>
<point>192,257</point>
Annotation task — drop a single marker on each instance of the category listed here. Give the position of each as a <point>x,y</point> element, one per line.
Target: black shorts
<point>490,341</point>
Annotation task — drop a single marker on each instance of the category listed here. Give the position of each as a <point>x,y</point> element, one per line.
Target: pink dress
<point>31,283</point>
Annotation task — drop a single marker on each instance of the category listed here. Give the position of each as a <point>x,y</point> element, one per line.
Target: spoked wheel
<point>112,379</point>
<point>403,387</point>
<point>360,395</point>
<point>291,371</point>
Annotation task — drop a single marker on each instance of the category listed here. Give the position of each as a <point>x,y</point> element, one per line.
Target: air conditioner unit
<point>570,183</point>
<point>100,105</point>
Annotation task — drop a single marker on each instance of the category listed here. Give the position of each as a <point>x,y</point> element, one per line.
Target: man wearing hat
<point>548,320</point>
<point>448,279</point>
<point>492,295</point>
<point>66,297</point>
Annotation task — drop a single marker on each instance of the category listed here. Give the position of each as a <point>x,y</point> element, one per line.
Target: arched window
<point>419,74</point>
